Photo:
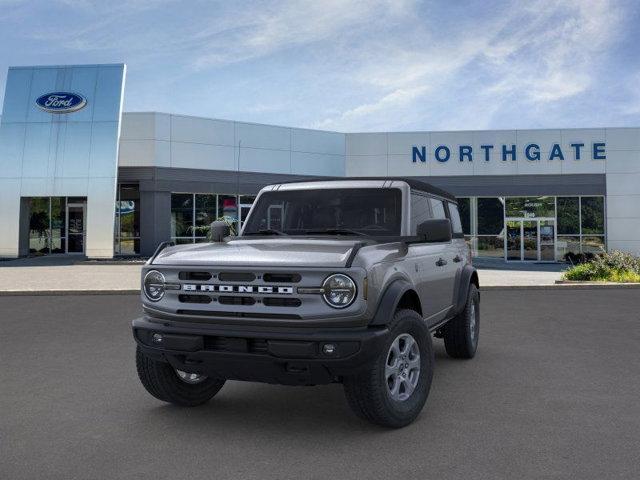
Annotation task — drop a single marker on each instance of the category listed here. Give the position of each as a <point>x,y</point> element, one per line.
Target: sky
<point>350,65</point>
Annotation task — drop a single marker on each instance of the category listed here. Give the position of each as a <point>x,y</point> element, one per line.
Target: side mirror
<point>435,230</point>
<point>219,230</point>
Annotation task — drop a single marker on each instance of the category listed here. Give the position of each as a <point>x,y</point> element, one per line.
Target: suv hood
<point>280,252</point>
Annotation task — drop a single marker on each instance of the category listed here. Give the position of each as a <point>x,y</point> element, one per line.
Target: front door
<point>75,227</point>
<point>530,240</point>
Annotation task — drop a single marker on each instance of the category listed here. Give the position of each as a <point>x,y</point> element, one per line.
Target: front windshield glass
<point>346,211</point>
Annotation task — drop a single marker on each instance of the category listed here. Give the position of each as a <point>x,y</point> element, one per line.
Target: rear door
<point>446,263</point>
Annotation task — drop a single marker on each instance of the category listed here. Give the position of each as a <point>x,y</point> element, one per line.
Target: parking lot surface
<point>553,393</point>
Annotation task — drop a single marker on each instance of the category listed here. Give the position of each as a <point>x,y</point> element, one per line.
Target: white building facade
<point>97,182</point>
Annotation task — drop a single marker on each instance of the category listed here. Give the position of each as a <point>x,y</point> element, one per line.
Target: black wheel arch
<point>468,276</point>
<point>398,294</point>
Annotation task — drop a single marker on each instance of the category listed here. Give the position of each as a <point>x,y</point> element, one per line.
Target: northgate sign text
<point>531,152</point>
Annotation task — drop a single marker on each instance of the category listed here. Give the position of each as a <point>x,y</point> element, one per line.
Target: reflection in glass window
<point>530,207</point>
<point>592,215</point>
<point>181,215</point>
<point>228,208</point>
<point>567,244</point>
<point>593,244</point>
<point>127,228</point>
<point>39,225</point>
<point>456,224</point>
<point>437,208</point>
<point>420,211</point>
<point>205,213</point>
<point>568,216</point>
<point>369,211</point>
<point>490,246</point>
<point>490,216</point>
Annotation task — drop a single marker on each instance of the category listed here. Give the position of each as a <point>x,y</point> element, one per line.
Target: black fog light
<point>329,348</point>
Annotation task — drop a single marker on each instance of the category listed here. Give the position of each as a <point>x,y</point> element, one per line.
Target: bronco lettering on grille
<point>192,287</point>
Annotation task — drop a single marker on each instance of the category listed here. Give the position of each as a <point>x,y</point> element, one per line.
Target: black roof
<point>414,184</point>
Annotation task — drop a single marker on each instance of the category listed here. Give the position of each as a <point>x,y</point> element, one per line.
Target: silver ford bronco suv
<point>329,281</point>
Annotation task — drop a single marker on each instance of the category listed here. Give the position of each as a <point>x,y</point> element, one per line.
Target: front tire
<point>174,386</point>
<point>392,390</point>
<point>461,334</point>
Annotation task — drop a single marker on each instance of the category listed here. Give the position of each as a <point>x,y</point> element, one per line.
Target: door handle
<point>441,262</point>
<point>457,259</point>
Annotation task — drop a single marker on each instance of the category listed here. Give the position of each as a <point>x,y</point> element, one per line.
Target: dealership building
<point>80,176</point>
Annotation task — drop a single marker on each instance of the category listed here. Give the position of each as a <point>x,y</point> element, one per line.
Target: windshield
<point>346,211</point>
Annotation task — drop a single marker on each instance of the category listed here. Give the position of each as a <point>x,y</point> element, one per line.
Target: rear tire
<point>461,334</point>
<point>394,387</point>
<point>164,382</point>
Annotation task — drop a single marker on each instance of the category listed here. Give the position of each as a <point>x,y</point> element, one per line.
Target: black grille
<point>282,302</point>
<point>236,277</point>
<point>208,313</point>
<point>226,300</point>
<point>281,277</point>
<point>198,276</point>
<point>236,344</point>
<point>194,298</point>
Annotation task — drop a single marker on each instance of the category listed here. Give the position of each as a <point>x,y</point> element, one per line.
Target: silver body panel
<point>373,268</point>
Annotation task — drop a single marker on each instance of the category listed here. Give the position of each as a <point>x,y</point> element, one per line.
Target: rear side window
<point>456,223</point>
<point>437,208</point>
<point>420,211</point>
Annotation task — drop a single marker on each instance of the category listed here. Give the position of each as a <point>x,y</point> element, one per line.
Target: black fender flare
<point>389,301</point>
<point>468,276</point>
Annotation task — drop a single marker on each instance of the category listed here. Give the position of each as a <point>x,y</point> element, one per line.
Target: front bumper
<point>274,355</point>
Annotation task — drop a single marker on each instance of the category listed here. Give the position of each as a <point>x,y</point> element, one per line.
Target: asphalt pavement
<point>553,393</point>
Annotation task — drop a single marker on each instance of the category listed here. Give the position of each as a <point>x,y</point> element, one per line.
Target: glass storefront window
<point>592,213</point>
<point>567,244</point>
<point>48,229</point>
<point>490,246</point>
<point>464,207</point>
<point>181,215</point>
<point>193,213</point>
<point>228,207</point>
<point>593,244</point>
<point>205,213</point>
<point>530,207</point>
<point>568,216</point>
<point>490,216</point>
<point>127,227</point>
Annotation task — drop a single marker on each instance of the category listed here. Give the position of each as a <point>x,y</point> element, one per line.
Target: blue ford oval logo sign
<point>61,102</point>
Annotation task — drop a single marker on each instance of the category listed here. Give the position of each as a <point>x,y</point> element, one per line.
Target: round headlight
<point>153,285</point>
<point>339,291</point>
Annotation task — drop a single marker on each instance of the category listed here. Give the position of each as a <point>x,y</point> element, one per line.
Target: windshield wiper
<point>266,231</point>
<point>335,231</point>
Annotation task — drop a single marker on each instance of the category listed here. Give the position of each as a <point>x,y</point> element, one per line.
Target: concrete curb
<point>563,286</point>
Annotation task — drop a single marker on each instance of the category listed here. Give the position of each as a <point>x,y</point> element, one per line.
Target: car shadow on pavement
<point>273,408</point>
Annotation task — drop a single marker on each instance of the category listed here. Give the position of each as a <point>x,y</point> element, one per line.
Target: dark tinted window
<point>456,223</point>
<point>420,211</point>
<point>371,211</point>
<point>490,216</point>
<point>464,207</point>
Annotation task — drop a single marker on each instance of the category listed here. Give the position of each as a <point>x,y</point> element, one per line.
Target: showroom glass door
<point>530,240</point>
<point>547,229</point>
<point>76,219</point>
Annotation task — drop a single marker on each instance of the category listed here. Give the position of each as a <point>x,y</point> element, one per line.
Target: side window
<point>437,207</point>
<point>456,223</point>
<point>420,211</point>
